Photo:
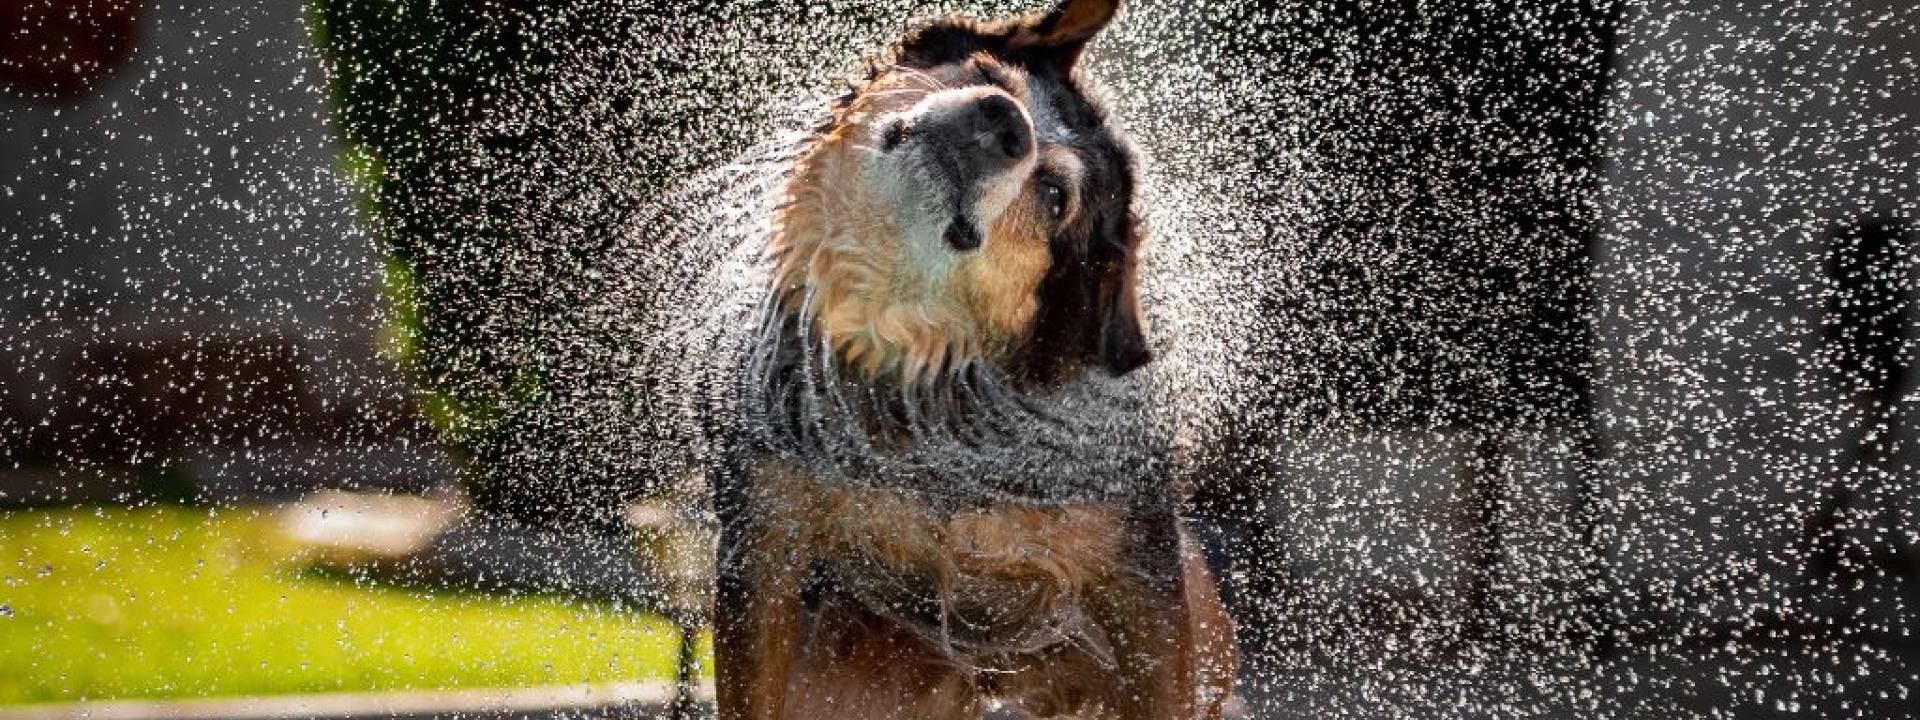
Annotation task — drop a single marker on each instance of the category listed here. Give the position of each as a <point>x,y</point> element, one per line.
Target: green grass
<point>183,602</point>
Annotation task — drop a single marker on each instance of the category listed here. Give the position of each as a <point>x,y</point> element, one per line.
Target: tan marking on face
<point>1002,277</point>
<point>1017,254</point>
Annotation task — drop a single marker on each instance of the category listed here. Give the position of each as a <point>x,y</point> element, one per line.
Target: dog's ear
<point>1066,28</point>
<point>1123,339</point>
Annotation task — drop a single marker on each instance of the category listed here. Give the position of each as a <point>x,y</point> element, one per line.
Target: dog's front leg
<point>756,621</point>
<point>1156,678</point>
<point>1149,619</point>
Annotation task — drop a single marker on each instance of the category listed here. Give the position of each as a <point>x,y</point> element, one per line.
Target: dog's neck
<point>962,438</point>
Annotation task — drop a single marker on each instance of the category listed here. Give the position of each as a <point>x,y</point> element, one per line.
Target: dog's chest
<point>980,580</point>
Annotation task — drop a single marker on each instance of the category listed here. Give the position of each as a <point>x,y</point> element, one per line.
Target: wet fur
<point>861,598</point>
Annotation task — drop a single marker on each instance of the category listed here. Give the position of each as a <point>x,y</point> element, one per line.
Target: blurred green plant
<point>470,298</point>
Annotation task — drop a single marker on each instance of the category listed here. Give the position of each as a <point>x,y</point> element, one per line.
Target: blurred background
<point>1562,347</point>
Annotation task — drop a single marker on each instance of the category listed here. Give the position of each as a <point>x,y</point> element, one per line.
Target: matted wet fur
<point>955,246</point>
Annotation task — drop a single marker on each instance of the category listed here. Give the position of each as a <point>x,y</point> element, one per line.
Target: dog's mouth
<point>961,234</point>
<point>894,135</point>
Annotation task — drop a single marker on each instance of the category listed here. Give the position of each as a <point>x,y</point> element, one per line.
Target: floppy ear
<point>1123,337</point>
<point>1066,28</point>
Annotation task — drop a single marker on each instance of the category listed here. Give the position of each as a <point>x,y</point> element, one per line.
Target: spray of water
<point>1514,355</point>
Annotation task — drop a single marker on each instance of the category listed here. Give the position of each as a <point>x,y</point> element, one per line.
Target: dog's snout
<point>1000,127</point>
<point>979,131</point>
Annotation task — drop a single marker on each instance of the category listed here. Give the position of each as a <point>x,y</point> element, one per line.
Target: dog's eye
<point>1055,198</point>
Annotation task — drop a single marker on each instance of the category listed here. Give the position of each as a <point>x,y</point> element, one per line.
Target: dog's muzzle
<point>969,136</point>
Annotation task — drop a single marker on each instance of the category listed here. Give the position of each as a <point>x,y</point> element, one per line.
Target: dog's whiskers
<point>913,73</point>
<point>900,91</point>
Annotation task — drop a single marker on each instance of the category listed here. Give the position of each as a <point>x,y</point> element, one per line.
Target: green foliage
<point>406,78</point>
<point>470,300</point>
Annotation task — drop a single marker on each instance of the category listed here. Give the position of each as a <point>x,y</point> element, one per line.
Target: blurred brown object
<point>64,48</point>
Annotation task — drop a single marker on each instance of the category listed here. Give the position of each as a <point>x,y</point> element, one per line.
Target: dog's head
<point>969,202</point>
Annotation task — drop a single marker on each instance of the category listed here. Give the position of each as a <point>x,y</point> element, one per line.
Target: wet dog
<point>959,237</point>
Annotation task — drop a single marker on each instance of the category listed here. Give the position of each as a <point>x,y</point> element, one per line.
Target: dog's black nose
<point>962,235</point>
<point>975,132</point>
<point>1000,127</point>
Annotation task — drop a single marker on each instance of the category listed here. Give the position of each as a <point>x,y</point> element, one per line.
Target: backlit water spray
<point>1541,360</point>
